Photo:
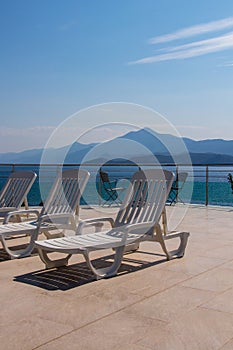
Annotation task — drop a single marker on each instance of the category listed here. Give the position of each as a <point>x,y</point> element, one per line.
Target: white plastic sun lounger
<point>15,191</point>
<point>58,212</point>
<point>137,220</point>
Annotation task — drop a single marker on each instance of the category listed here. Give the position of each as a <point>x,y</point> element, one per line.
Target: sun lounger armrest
<point>20,212</point>
<point>54,217</point>
<point>58,219</point>
<point>97,222</point>
<point>139,228</point>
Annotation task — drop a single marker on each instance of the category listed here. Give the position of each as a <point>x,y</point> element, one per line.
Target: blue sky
<point>58,57</point>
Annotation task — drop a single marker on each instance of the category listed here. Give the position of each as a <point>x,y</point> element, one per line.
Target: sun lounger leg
<point>53,263</point>
<point>20,253</point>
<point>179,253</point>
<point>183,242</point>
<point>161,238</point>
<point>108,271</point>
<point>49,235</point>
<point>131,248</point>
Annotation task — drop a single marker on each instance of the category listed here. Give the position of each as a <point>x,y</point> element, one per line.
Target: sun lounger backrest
<point>146,197</point>
<point>16,188</point>
<point>66,192</point>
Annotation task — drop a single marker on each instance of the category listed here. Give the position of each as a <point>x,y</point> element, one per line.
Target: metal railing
<point>207,182</point>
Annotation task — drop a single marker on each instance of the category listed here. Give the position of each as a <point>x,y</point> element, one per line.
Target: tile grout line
<point>112,313</point>
<point>125,307</point>
<point>228,342</point>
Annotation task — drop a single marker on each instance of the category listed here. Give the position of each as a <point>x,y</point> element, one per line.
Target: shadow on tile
<point>71,276</point>
<point>4,256</point>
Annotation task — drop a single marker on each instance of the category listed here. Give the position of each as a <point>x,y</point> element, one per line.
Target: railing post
<point>207,186</point>
<point>100,192</point>
<point>177,181</point>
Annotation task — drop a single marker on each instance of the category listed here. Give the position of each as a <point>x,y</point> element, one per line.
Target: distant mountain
<point>196,158</point>
<point>29,156</point>
<point>73,154</point>
<point>210,158</point>
<point>145,143</point>
<point>156,143</point>
<point>217,146</point>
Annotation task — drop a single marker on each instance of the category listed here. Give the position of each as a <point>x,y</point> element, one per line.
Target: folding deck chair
<point>177,187</point>
<point>58,212</point>
<point>110,193</point>
<point>137,221</point>
<point>15,191</point>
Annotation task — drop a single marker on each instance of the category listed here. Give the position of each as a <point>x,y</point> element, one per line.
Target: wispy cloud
<point>193,48</point>
<point>229,64</point>
<point>196,132</point>
<point>192,127</point>
<point>34,131</point>
<point>19,139</point>
<point>194,30</point>
<point>223,40</point>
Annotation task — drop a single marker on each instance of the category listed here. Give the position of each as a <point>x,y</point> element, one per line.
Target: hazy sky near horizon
<point>57,57</point>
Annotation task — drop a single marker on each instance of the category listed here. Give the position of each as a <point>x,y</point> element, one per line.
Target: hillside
<point>214,151</point>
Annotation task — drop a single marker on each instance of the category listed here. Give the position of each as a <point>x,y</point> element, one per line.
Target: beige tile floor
<point>152,304</point>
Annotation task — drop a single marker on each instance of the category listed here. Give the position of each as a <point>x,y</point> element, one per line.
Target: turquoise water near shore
<point>219,190</point>
<point>219,193</point>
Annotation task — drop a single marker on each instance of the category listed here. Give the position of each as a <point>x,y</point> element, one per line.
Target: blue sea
<point>194,191</point>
